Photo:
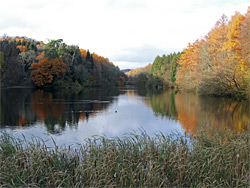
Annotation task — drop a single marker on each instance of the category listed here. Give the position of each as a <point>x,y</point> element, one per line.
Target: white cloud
<point>111,27</point>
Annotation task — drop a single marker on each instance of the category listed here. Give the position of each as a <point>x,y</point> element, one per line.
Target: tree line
<point>27,62</point>
<point>161,74</point>
<point>216,64</point>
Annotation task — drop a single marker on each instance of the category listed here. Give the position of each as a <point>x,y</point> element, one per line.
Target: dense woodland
<point>217,64</point>
<point>27,62</point>
<point>162,73</point>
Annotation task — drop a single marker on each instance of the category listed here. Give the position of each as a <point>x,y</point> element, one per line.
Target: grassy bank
<point>136,160</point>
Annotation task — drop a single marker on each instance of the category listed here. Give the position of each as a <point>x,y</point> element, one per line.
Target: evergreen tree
<point>88,56</point>
<point>92,61</point>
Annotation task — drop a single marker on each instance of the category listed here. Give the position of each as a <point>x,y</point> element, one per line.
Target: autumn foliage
<point>219,64</point>
<point>27,62</point>
<point>22,48</point>
<point>45,71</point>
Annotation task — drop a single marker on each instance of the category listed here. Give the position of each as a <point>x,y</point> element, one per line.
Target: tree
<point>218,64</point>
<point>23,59</point>
<point>88,56</point>
<point>27,58</point>
<point>46,70</point>
<point>22,48</point>
<point>173,69</point>
<point>187,72</point>
<point>12,71</point>
<point>83,53</point>
<point>244,38</point>
<point>51,48</point>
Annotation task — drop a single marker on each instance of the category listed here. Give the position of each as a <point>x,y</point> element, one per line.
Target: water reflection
<point>163,104</point>
<point>57,111</point>
<point>195,112</point>
<point>15,109</point>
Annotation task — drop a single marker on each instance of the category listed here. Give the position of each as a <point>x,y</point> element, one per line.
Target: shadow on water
<point>56,109</point>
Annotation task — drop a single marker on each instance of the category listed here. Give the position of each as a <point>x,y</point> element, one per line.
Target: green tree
<point>51,48</point>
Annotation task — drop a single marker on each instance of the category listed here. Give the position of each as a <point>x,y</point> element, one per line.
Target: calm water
<point>72,116</point>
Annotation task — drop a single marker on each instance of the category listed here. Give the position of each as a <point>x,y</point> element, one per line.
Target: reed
<point>136,160</point>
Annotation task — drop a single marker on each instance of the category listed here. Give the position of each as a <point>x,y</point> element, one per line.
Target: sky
<point>131,33</point>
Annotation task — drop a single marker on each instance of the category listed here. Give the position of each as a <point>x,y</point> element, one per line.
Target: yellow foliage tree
<point>219,64</point>
<point>83,53</point>
<point>187,72</point>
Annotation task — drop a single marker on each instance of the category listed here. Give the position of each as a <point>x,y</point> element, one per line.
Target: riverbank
<point>136,160</point>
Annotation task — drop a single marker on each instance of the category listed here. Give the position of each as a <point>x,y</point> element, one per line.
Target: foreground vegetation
<point>136,160</point>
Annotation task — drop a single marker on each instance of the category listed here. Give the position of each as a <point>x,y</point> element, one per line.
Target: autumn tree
<point>46,70</point>
<point>22,48</point>
<point>23,60</point>
<point>244,38</point>
<point>187,72</point>
<point>219,64</point>
<point>83,53</point>
<point>141,77</point>
<point>233,68</point>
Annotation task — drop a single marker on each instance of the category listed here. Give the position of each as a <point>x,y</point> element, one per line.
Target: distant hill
<point>126,70</point>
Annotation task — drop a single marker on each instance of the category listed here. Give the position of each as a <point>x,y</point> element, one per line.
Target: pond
<point>72,116</point>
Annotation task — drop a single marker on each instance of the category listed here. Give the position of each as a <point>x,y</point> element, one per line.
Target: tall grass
<point>136,160</point>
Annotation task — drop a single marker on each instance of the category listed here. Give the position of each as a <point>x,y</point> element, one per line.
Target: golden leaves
<point>219,64</point>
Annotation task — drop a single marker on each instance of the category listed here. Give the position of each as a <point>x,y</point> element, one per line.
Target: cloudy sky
<point>131,33</point>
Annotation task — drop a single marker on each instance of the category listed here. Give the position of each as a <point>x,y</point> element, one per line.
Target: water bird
<point>87,115</point>
<point>116,111</point>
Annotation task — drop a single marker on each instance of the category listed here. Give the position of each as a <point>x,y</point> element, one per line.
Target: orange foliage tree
<point>220,63</point>
<point>187,72</point>
<point>83,53</point>
<point>44,72</point>
<point>244,38</point>
<point>22,48</point>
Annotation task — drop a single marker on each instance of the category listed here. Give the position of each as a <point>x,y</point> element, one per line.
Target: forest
<point>160,74</point>
<point>27,62</point>
<point>216,64</point>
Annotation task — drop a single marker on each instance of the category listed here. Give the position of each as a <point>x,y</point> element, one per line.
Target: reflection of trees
<point>195,112</point>
<point>226,113</point>
<point>188,109</point>
<point>14,107</point>
<point>57,109</point>
<point>43,104</point>
<point>163,104</point>
<point>61,108</point>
